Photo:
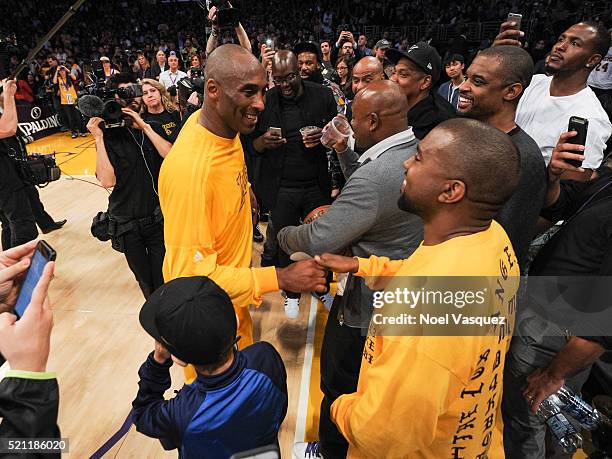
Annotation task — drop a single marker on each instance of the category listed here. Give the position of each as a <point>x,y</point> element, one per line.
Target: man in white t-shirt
<point>549,102</point>
<point>173,75</point>
<point>600,81</point>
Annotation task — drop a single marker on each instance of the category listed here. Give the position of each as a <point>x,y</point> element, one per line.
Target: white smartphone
<point>515,17</point>
<point>276,130</point>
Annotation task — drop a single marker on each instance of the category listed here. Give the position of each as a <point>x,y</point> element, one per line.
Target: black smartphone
<point>580,125</point>
<point>43,254</point>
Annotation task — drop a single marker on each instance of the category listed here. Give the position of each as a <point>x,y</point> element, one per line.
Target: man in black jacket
<point>417,71</point>
<point>294,178</point>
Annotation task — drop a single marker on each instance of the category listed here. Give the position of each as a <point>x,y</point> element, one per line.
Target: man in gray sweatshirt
<point>366,219</point>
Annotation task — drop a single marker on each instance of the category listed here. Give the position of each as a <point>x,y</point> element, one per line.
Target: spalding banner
<point>36,121</point>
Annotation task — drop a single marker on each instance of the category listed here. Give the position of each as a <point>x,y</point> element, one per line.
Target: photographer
<point>129,159</point>
<point>68,98</point>
<point>18,224</point>
<point>213,39</point>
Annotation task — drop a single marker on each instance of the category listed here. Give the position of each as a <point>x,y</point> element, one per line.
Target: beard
<point>405,204</point>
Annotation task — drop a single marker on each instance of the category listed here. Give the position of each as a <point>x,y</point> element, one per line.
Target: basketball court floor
<point>97,342</point>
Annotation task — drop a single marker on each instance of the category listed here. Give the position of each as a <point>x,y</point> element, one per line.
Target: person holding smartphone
<point>28,392</point>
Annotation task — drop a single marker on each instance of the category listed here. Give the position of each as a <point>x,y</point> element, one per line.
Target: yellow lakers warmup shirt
<point>208,231</point>
<point>435,396</point>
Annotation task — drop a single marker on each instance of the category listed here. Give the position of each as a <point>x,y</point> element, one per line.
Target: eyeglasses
<point>288,79</point>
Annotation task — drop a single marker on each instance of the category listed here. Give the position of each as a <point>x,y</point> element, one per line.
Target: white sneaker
<point>292,307</point>
<point>303,450</point>
<point>326,299</point>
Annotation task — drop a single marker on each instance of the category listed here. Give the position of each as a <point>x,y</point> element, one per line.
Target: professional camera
<point>101,102</point>
<point>195,83</point>
<point>35,169</point>
<point>227,17</point>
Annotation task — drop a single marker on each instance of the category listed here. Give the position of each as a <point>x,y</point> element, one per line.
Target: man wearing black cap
<point>381,48</point>
<point>193,321</point>
<point>417,71</point>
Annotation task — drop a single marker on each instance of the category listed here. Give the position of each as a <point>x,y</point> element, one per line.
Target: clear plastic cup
<point>307,130</point>
<point>337,128</point>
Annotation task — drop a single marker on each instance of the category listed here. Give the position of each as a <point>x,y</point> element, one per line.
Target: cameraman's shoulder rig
<point>35,169</point>
<point>105,227</point>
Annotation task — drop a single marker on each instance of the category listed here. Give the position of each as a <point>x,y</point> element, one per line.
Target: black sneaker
<point>257,236</point>
<point>55,226</point>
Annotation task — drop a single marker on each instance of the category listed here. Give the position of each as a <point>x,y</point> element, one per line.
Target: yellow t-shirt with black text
<point>208,230</point>
<point>435,396</point>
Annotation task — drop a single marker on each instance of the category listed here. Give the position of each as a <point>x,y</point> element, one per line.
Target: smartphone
<point>515,17</point>
<point>276,130</point>
<point>269,43</point>
<point>43,254</point>
<point>580,125</point>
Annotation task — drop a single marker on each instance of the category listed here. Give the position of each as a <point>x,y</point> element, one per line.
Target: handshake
<point>309,275</point>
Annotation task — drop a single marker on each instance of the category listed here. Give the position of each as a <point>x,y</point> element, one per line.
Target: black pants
<point>269,256</point>
<point>57,106</point>
<point>340,363</point>
<point>144,251</point>
<point>72,116</point>
<point>292,204</point>
<point>43,219</point>
<point>18,224</point>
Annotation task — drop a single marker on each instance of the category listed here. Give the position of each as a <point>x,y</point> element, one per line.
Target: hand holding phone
<point>43,254</point>
<point>509,32</point>
<point>581,126</point>
<point>25,343</point>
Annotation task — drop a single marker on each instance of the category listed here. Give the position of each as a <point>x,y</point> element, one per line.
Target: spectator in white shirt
<point>549,102</point>
<point>173,75</point>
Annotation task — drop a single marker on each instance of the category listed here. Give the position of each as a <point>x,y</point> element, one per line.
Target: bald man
<point>435,392</point>
<point>366,219</point>
<point>204,192</point>
<point>367,70</point>
<point>294,176</point>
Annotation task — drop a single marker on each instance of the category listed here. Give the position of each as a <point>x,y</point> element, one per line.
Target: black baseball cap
<point>193,318</point>
<point>423,55</point>
<point>307,47</point>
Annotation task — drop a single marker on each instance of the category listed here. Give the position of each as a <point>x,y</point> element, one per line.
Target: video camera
<point>35,169</point>
<point>101,102</point>
<point>227,16</point>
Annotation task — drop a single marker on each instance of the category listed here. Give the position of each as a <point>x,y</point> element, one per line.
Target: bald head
<point>483,157</point>
<point>286,75</point>
<point>368,69</point>
<point>284,60</point>
<point>228,64</point>
<point>379,111</point>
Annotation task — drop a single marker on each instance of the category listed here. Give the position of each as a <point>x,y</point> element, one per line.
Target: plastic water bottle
<point>565,433</point>
<point>581,411</point>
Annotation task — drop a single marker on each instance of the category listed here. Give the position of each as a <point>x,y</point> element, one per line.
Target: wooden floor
<point>97,342</point>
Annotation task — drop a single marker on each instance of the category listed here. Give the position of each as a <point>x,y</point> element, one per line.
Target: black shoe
<point>257,236</point>
<point>55,226</point>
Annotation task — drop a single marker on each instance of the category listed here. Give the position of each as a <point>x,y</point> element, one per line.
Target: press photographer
<point>18,224</point>
<point>128,160</point>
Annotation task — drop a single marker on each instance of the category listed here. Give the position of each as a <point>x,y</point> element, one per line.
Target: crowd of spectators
<point>119,29</point>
